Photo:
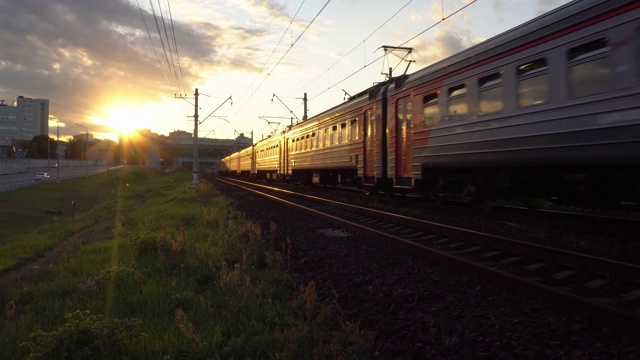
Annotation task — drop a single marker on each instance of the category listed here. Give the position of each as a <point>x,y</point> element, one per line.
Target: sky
<point>112,66</point>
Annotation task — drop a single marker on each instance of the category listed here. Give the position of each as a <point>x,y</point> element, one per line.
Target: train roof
<point>547,24</point>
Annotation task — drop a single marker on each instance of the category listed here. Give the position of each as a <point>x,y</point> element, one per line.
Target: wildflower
<point>10,309</point>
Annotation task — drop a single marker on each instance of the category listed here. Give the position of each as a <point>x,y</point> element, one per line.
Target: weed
<point>10,309</point>
<point>185,326</point>
<point>310,297</point>
<point>359,338</point>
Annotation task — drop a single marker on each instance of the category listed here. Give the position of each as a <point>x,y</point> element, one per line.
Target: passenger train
<point>551,107</point>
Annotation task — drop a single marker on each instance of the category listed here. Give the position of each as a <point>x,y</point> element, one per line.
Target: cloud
<point>80,54</point>
<point>443,44</point>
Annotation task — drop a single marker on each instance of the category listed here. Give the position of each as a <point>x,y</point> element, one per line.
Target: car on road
<point>42,176</point>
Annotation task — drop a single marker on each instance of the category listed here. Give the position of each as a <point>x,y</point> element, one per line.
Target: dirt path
<point>29,272</point>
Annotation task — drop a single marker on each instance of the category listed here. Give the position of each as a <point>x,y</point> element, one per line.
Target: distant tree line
<point>43,147</point>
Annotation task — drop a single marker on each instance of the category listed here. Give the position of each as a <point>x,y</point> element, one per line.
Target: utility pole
<point>58,152</point>
<point>304,99</point>
<point>86,163</point>
<point>196,122</point>
<point>195,143</point>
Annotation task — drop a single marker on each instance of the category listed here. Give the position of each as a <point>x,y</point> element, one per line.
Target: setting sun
<point>123,121</point>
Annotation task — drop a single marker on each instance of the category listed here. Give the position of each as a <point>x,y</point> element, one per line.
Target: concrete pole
<point>304,99</point>
<point>195,143</point>
<point>58,152</point>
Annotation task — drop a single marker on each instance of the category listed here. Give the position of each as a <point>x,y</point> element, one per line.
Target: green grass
<point>35,218</point>
<point>156,270</point>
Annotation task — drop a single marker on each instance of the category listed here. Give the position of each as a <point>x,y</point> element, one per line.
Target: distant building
<point>178,149</point>
<point>180,137</point>
<point>23,119</point>
<point>83,137</point>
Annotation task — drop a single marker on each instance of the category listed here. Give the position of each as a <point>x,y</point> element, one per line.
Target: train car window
<point>306,142</point>
<point>430,109</point>
<point>353,131</point>
<point>589,68</point>
<point>458,108</point>
<point>334,134</point>
<point>533,83</point>
<point>313,141</point>
<point>342,135</point>
<point>490,96</point>
<point>409,113</point>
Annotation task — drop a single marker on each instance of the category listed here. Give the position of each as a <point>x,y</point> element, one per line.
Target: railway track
<point>605,290</point>
<point>624,218</point>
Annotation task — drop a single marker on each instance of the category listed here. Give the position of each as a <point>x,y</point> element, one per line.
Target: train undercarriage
<point>602,186</point>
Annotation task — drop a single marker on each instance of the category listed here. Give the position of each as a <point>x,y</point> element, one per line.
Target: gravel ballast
<point>423,310</point>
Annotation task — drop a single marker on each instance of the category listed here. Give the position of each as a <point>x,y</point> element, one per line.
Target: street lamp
<point>57,150</point>
<point>86,164</point>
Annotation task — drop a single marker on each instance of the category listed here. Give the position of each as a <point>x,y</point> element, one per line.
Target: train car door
<point>284,159</point>
<point>369,155</point>
<point>404,110</point>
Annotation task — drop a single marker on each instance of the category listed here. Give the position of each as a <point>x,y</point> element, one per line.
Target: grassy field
<point>150,269</point>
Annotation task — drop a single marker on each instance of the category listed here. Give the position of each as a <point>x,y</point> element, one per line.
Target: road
<point>16,181</point>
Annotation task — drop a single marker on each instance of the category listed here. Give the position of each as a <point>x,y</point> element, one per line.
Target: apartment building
<point>23,119</point>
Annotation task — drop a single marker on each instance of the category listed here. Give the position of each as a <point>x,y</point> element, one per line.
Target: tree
<point>76,149</point>
<point>39,146</point>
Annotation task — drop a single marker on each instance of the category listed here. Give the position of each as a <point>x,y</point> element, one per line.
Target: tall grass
<point>163,271</point>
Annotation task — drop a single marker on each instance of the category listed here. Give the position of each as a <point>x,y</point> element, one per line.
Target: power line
<point>161,39</point>
<point>151,41</point>
<point>172,65</point>
<point>175,45</point>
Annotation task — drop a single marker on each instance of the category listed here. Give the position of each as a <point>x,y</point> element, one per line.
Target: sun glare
<point>124,121</point>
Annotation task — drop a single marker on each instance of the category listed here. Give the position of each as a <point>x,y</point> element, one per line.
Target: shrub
<point>86,336</point>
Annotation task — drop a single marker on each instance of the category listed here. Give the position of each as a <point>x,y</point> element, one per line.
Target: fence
<point>16,166</point>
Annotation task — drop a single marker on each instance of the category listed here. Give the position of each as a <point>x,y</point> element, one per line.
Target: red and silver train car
<point>550,107</point>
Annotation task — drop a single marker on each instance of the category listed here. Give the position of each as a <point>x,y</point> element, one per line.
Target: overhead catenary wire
<point>298,38</point>
<point>294,43</point>
<point>444,18</point>
<point>269,57</point>
<point>355,47</point>
<point>352,50</point>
